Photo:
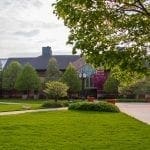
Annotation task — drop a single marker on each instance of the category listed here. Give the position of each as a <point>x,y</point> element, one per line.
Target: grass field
<point>32,101</point>
<point>70,130</point>
<point>19,106</point>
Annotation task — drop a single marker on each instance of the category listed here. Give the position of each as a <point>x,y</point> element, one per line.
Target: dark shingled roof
<point>41,62</point>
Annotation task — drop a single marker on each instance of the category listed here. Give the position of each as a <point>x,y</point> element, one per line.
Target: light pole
<point>82,76</point>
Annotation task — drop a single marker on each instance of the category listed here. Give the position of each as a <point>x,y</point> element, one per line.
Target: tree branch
<point>143,8</point>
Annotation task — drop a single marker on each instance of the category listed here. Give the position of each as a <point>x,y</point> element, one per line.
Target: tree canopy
<point>28,79</point>
<point>71,78</point>
<point>10,75</point>
<point>111,85</point>
<point>109,32</point>
<point>53,73</point>
<point>55,89</point>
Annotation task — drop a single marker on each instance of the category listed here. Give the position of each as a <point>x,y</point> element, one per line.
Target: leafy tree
<point>10,75</point>
<point>109,32</point>
<point>111,85</point>
<point>28,80</point>
<point>55,89</point>
<point>71,78</point>
<point>126,78</point>
<point>140,87</point>
<point>53,73</point>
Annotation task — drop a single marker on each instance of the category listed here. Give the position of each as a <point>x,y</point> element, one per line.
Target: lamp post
<point>82,76</point>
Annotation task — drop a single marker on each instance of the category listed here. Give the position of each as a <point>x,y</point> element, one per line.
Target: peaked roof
<point>79,63</point>
<point>41,62</point>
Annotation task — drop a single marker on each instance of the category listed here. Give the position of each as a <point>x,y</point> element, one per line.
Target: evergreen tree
<point>71,78</point>
<point>53,73</point>
<point>28,80</point>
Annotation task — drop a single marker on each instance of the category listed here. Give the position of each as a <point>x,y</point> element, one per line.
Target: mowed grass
<point>29,101</point>
<point>73,130</point>
<point>16,107</point>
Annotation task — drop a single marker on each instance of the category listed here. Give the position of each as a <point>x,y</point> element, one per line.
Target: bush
<point>51,104</point>
<point>55,89</point>
<point>88,106</point>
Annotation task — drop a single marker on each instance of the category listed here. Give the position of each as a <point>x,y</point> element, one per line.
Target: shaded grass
<point>71,130</point>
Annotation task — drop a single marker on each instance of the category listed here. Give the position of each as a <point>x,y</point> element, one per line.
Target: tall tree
<point>28,80</point>
<point>71,78</point>
<point>10,75</point>
<point>111,85</point>
<point>53,73</point>
<point>109,32</point>
<point>125,78</point>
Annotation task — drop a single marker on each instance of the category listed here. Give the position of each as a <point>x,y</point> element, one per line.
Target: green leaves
<point>53,73</point>
<point>28,79</point>
<point>10,75</point>
<point>55,89</point>
<point>71,78</point>
<point>98,29</point>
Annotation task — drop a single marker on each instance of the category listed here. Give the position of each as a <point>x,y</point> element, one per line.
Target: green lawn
<point>70,130</point>
<point>32,101</point>
<point>22,106</point>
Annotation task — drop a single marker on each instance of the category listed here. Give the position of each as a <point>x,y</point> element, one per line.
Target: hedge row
<point>99,106</point>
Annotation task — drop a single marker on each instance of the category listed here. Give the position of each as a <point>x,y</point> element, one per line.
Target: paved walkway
<point>140,111</point>
<point>29,111</point>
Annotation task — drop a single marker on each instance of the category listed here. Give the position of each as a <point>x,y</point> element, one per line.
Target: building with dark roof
<point>40,63</point>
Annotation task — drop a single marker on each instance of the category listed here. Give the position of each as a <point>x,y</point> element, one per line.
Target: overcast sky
<point>27,25</point>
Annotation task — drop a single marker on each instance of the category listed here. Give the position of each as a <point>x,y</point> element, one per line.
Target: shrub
<point>88,106</point>
<point>55,89</point>
<point>52,104</point>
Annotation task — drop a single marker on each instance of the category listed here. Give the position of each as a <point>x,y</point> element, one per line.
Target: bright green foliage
<point>126,78</point>
<point>28,79</point>
<point>20,106</point>
<point>141,87</point>
<point>88,106</point>
<point>55,89</point>
<point>71,78</point>
<point>10,75</point>
<point>99,28</point>
<point>111,85</point>
<point>53,73</point>
<point>73,130</point>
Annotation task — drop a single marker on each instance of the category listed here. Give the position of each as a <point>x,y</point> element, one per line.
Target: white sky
<point>27,25</point>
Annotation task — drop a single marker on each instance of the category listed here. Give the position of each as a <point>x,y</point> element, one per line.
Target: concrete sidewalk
<point>29,111</point>
<point>140,111</point>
